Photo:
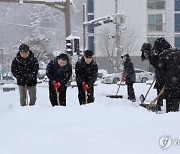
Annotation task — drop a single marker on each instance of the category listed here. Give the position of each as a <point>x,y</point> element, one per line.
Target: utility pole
<point>84,26</point>
<point>117,37</point>
<point>2,59</point>
<point>67,18</point>
<point>118,49</point>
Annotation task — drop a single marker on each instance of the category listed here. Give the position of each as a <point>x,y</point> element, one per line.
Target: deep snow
<point>108,126</point>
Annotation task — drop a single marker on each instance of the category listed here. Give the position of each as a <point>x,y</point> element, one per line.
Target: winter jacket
<point>86,72</point>
<point>129,71</point>
<point>170,68</point>
<point>154,61</point>
<point>25,70</point>
<point>60,74</point>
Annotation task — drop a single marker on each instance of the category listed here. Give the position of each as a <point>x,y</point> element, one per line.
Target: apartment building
<point>145,20</point>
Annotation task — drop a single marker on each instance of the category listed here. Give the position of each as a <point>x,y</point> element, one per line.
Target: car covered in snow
<point>141,76</point>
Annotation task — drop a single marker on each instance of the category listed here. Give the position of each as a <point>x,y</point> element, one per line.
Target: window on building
<point>90,6</point>
<point>177,5</point>
<point>156,4</point>
<point>177,22</point>
<point>156,22</point>
<point>177,41</point>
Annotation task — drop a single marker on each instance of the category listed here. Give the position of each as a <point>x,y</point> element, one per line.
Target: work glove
<point>123,79</point>
<point>56,84</point>
<point>85,86</point>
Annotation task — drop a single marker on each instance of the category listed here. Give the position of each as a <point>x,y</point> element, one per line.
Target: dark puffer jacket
<point>154,61</point>
<point>129,70</point>
<point>25,70</point>
<point>170,67</point>
<point>159,46</point>
<point>86,72</point>
<point>60,74</point>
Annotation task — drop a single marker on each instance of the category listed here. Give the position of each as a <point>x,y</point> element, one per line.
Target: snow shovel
<point>151,105</point>
<point>86,97</point>
<point>26,93</point>
<point>116,96</point>
<point>142,97</point>
<point>57,96</point>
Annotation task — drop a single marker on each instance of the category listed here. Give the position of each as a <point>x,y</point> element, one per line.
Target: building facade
<point>145,20</point>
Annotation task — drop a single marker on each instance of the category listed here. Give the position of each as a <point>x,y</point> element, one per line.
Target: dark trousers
<point>172,104</point>
<point>81,95</point>
<point>53,95</point>
<point>130,90</point>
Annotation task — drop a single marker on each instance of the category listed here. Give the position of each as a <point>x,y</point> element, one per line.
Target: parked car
<point>141,76</point>
<point>101,73</point>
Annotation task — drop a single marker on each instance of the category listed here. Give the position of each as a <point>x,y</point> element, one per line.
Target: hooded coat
<point>129,70</point>
<point>60,74</point>
<point>159,46</point>
<point>170,68</point>
<point>86,72</point>
<point>25,70</point>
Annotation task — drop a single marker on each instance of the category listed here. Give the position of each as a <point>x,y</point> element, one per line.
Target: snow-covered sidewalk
<point>108,126</point>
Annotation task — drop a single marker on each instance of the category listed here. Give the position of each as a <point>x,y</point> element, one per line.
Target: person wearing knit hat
<point>129,76</point>
<point>59,71</point>
<point>86,70</point>
<point>169,62</point>
<point>25,68</point>
<point>149,54</point>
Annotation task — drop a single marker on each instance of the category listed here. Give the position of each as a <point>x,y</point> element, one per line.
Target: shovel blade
<point>143,105</point>
<point>142,98</point>
<point>114,96</point>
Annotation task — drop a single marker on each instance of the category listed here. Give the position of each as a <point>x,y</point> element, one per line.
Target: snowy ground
<point>109,126</point>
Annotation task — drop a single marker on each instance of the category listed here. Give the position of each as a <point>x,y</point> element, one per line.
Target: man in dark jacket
<point>59,72</point>
<point>25,68</point>
<point>86,70</point>
<point>153,57</point>
<point>129,76</point>
<point>169,65</point>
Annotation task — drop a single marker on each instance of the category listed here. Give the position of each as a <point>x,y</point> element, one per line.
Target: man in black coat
<point>86,70</point>
<point>153,57</point>
<point>170,67</point>
<point>59,72</point>
<point>129,76</point>
<point>25,68</point>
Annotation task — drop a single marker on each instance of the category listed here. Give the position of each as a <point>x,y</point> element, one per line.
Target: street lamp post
<point>84,27</point>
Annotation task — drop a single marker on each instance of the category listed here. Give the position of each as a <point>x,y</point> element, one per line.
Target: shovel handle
<point>155,99</point>
<point>26,92</point>
<point>120,84</point>
<point>57,96</point>
<point>86,97</point>
<point>149,89</point>
<point>118,88</point>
